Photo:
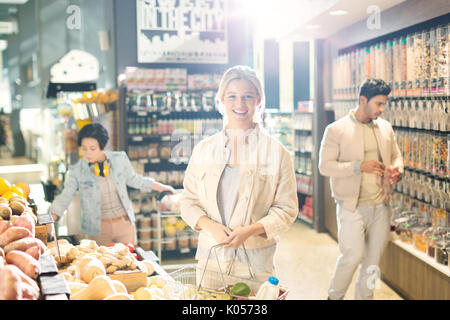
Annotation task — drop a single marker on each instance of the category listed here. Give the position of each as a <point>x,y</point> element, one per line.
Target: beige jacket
<point>267,188</point>
<point>342,151</point>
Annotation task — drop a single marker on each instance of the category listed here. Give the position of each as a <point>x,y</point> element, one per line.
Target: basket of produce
<point>210,282</point>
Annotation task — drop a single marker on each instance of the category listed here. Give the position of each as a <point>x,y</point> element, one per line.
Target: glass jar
<point>373,62</point>
<point>419,239</point>
<point>420,151</point>
<point>410,66</point>
<point>403,66</point>
<point>441,252</point>
<point>426,63</point>
<point>442,58</point>
<point>443,155</point>
<point>389,64</point>
<point>367,63</point>
<point>434,61</point>
<point>418,66</point>
<point>397,69</point>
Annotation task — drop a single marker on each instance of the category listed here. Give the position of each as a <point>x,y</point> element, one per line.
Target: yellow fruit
<point>4,185</point>
<point>9,194</point>
<point>25,187</point>
<point>18,190</point>
<point>180,225</point>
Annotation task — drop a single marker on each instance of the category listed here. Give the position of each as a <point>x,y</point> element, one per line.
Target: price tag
<point>155,160</point>
<point>165,138</point>
<point>142,113</point>
<point>143,161</point>
<point>138,138</point>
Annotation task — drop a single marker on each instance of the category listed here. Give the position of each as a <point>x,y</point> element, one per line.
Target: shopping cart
<point>203,283</point>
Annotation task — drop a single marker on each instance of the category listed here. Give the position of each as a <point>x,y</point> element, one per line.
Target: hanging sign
<point>182,31</point>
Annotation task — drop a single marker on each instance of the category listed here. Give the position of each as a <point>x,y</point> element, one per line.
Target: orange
<point>18,190</point>
<point>25,187</point>
<point>9,194</point>
<point>5,185</point>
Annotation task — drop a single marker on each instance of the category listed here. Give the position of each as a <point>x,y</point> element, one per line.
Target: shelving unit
<point>303,131</point>
<point>416,66</point>
<point>165,113</point>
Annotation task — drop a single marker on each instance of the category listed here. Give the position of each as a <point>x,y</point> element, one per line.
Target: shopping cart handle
<point>162,195</point>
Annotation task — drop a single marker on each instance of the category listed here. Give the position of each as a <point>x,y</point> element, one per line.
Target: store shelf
<point>305,219</point>
<point>423,256</point>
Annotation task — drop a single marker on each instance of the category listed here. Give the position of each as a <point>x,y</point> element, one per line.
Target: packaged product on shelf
<point>193,240</point>
<point>145,244</point>
<point>144,222</point>
<point>170,244</point>
<point>418,65</point>
<point>442,59</point>
<point>144,233</point>
<point>426,62</point>
<point>434,61</point>
<point>410,64</point>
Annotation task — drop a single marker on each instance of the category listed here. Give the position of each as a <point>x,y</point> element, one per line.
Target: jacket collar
<point>251,133</point>
<point>84,163</point>
<point>352,116</point>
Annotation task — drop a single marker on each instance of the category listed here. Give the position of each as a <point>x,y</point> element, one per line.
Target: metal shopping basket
<point>201,283</point>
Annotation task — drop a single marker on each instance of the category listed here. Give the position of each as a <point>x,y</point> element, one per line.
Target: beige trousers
<point>362,237</point>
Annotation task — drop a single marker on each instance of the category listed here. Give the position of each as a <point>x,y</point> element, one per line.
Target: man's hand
<point>395,176</point>
<point>373,166</point>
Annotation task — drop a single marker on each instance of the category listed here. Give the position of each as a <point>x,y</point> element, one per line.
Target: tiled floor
<point>305,259</point>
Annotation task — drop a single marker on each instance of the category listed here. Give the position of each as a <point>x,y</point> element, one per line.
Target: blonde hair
<point>238,73</point>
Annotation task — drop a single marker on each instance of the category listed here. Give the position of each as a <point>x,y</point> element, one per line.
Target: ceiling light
<point>338,13</point>
<point>13,1</point>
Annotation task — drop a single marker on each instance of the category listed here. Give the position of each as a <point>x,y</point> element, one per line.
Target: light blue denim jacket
<point>81,179</point>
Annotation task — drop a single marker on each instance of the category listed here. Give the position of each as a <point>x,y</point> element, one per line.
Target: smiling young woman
<point>239,187</point>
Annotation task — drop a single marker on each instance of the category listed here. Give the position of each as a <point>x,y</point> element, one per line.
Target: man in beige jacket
<point>360,154</point>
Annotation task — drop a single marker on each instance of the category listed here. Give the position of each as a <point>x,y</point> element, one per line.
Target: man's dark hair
<point>374,87</point>
<point>96,131</point>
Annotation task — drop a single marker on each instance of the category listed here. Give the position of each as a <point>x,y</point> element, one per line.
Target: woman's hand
<point>242,233</point>
<point>217,230</point>
<point>162,187</point>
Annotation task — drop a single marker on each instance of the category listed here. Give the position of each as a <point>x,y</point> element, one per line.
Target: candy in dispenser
<point>418,66</point>
<point>434,61</point>
<point>410,64</point>
<point>426,62</point>
<point>442,58</point>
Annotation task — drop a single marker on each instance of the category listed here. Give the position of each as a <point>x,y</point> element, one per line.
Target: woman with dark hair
<point>101,178</point>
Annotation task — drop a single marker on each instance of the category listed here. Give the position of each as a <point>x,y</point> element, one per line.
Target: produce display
<point>19,249</point>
